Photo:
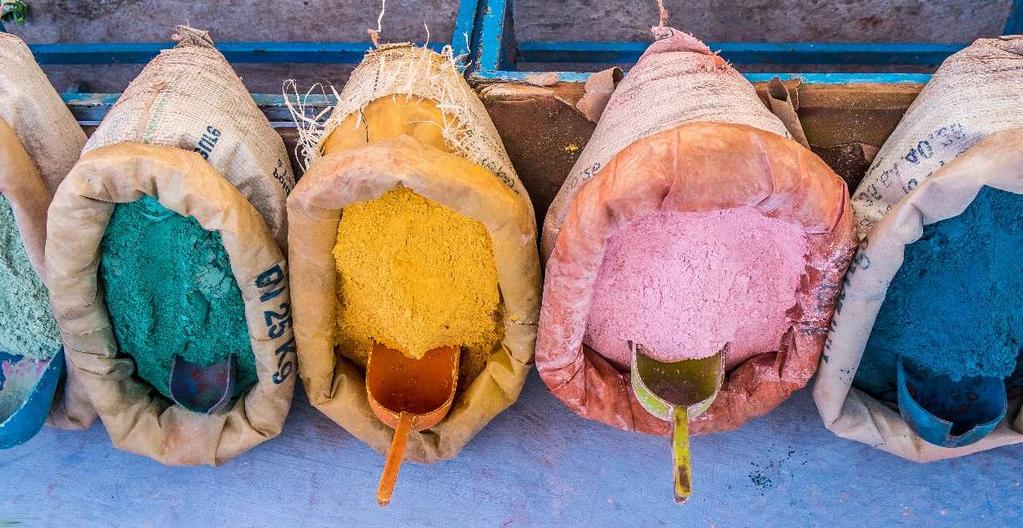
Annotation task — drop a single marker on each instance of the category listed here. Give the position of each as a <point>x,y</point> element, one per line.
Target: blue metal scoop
<point>950,413</point>
<point>29,417</point>
<point>200,388</point>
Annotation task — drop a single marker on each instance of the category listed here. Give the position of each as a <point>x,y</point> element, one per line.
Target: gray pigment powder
<point>27,327</point>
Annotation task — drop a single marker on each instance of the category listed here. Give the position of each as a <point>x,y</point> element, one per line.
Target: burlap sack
<point>685,132</point>
<point>677,80</point>
<point>136,418</point>
<point>472,177</point>
<point>964,131</point>
<point>35,111</point>
<point>189,97</point>
<point>39,143</point>
<point>973,94</point>
<point>187,133</point>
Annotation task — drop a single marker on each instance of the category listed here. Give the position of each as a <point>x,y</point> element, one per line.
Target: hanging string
<point>661,31</point>
<point>374,34</point>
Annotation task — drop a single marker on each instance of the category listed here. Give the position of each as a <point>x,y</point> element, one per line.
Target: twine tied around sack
<point>374,34</point>
<point>661,31</point>
<point>186,36</point>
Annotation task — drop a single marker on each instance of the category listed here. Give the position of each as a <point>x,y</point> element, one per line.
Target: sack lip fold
<point>687,169</point>
<point>995,161</point>
<point>53,140</point>
<point>28,195</point>
<point>334,384</point>
<point>136,419</point>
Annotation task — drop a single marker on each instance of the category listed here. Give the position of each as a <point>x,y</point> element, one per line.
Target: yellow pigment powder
<point>414,276</point>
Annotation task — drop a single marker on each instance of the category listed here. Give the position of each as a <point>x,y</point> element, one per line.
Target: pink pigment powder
<point>686,284</point>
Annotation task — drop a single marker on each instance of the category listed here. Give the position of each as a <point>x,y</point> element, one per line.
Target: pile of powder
<point>685,284</point>
<point>28,332</point>
<point>954,307</point>
<point>170,291</point>
<point>27,327</point>
<point>415,276</point>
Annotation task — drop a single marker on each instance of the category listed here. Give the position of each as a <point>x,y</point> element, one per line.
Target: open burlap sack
<point>467,171</point>
<point>973,94</point>
<point>684,132</point>
<point>187,133</point>
<point>961,133</point>
<point>189,97</point>
<point>137,419</point>
<point>677,80</point>
<point>39,143</point>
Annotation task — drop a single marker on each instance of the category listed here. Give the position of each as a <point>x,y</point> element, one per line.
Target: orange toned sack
<point>411,235</point>
<point>664,165</point>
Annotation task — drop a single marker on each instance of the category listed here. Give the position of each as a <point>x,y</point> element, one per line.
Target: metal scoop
<point>408,395</point>
<point>203,389</point>
<point>674,392</point>
<point>950,413</point>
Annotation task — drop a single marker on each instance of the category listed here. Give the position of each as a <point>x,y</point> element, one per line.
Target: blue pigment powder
<point>955,305</point>
<point>170,291</point>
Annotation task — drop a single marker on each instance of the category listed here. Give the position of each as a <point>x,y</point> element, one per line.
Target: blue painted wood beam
<point>1014,23</point>
<point>237,52</point>
<point>811,78</point>
<point>91,108</point>
<point>498,53</point>
<point>465,27</point>
<point>495,47</point>
<point>835,53</point>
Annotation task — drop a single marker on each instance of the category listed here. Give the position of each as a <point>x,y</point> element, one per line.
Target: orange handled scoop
<point>408,395</point>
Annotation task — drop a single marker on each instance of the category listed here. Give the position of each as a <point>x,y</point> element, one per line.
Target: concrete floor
<point>535,465</point>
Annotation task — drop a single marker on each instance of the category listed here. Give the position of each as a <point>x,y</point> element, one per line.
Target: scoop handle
<point>395,455</point>
<point>682,468</point>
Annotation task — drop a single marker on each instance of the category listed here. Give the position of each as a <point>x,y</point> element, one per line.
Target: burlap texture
<point>467,171</point>
<point>189,97</point>
<point>974,93</point>
<point>28,194</point>
<point>971,105</point>
<point>138,419</point>
<point>404,70</point>
<point>694,167</point>
<point>39,143</point>
<point>677,80</point>
<point>996,161</point>
<point>334,384</point>
<point>34,110</point>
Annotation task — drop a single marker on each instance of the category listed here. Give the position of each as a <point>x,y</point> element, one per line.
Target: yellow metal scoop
<point>674,392</point>
<point>408,395</point>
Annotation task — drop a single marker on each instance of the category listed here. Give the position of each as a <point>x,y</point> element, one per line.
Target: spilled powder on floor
<point>686,284</point>
<point>414,276</point>
<point>954,306</point>
<point>27,327</point>
<point>170,290</point>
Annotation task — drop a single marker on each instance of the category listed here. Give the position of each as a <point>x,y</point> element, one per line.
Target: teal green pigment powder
<point>170,290</point>
<point>955,306</point>
<point>27,327</point>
